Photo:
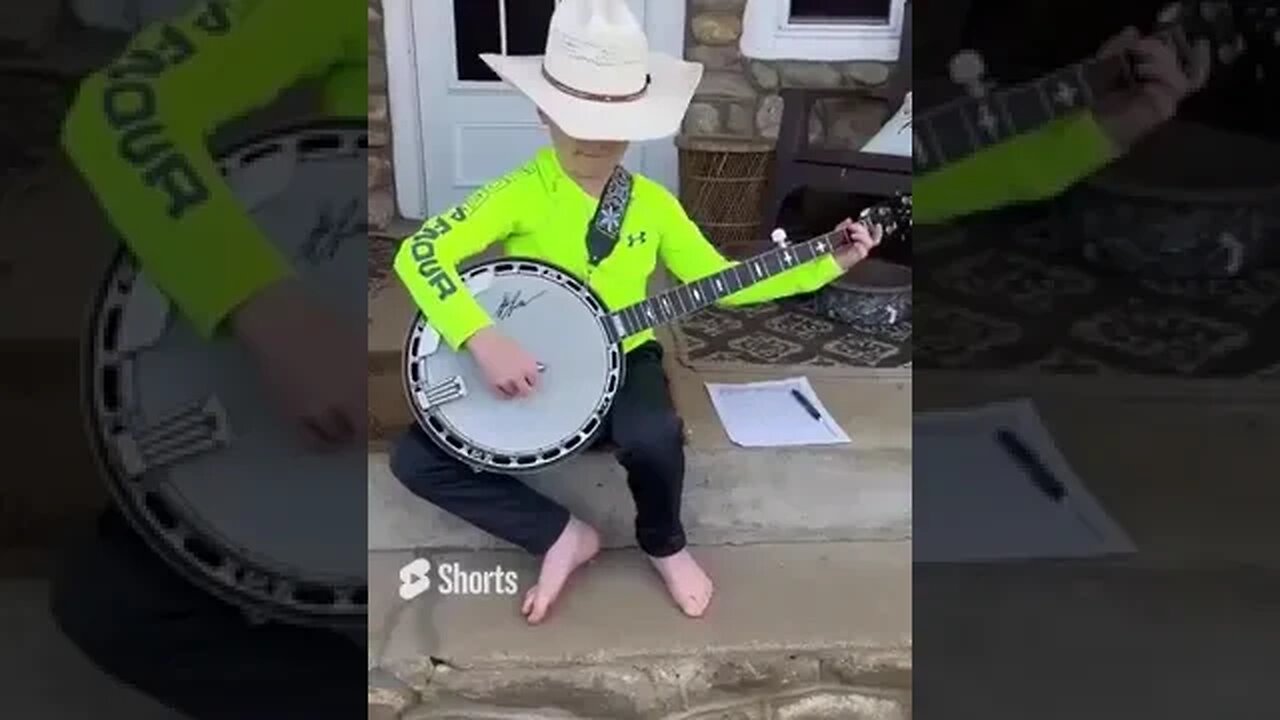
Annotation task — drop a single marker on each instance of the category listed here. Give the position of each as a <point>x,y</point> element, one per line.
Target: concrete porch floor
<point>1187,628</point>
<point>784,616</point>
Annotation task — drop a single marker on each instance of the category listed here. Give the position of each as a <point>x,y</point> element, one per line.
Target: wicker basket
<point>722,186</point>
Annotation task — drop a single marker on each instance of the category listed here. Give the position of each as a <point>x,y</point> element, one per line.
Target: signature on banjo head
<point>332,229</point>
<point>513,301</point>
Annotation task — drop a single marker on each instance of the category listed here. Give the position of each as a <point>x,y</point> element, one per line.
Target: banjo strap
<point>606,226</point>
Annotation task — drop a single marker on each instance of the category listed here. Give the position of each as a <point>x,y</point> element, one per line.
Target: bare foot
<point>686,581</point>
<point>577,544</point>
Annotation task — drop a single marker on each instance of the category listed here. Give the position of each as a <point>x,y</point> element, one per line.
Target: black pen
<point>1040,475</point>
<point>804,402</point>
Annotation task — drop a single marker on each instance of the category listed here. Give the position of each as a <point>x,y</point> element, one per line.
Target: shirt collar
<point>558,179</point>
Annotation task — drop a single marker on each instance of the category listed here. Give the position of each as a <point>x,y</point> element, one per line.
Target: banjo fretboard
<point>690,298</point>
<point>961,128</point>
<point>958,129</point>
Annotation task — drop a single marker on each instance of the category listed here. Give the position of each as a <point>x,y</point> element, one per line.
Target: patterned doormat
<point>995,299</point>
<point>787,332</point>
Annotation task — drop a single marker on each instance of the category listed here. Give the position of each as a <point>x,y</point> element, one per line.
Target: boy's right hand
<point>314,362</point>
<point>509,369</point>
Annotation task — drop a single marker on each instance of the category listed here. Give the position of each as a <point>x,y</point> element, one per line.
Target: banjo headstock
<point>893,216</point>
<point>1236,32</point>
<point>1231,29</point>
<point>1189,22</point>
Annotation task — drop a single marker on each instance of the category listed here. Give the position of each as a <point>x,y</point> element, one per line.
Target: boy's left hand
<point>1162,85</point>
<point>862,240</point>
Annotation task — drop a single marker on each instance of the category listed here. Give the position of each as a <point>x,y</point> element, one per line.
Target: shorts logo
<point>415,578</point>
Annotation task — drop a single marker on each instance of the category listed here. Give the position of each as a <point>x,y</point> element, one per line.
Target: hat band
<point>594,97</point>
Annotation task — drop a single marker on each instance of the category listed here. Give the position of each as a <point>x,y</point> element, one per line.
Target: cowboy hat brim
<point>656,114</point>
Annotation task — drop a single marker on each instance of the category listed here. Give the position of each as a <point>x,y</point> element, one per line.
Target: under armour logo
<point>414,578</point>
<point>636,239</point>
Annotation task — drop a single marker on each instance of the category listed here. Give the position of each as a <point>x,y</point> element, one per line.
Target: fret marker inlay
<point>987,119</point>
<point>1066,94</point>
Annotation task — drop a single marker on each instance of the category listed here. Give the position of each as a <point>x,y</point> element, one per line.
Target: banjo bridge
<point>194,430</point>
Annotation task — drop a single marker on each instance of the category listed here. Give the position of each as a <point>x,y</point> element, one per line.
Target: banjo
<point>581,359</point>
<point>193,452</point>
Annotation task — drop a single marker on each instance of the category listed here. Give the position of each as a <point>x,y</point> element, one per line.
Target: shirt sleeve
<point>427,261</point>
<point>138,133</point>
<point>1027,168</point>
<point>689,256</point>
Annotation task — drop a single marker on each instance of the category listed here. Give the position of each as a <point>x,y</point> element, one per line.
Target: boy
<point>597,88</point>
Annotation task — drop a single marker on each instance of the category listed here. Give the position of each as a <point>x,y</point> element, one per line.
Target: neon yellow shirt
<point>539,212</point>
<point>138,133</point>
<point>1026,168</point>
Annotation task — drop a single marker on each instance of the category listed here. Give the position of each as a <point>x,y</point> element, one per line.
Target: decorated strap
<point>606,226</point>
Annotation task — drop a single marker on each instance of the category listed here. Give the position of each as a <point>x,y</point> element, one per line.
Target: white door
<point>456,126</point>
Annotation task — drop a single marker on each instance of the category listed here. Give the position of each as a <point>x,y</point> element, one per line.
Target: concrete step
<point>860,491</point>
<point>731,497</point>
<point>823,628</point>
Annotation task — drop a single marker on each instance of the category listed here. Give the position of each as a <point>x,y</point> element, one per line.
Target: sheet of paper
<point>895,137</point>
<point>972,501</point>
<point>766,414</point>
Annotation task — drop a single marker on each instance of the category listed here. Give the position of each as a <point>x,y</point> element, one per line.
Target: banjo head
<point>196,454</point>
<point>559,321</point>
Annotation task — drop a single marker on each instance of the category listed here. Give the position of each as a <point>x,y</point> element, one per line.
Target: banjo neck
<point>961,128</point>
<point>692,297</point>
<point>891,216</point>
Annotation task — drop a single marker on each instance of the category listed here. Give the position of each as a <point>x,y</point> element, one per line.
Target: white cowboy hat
<point>598,80</point>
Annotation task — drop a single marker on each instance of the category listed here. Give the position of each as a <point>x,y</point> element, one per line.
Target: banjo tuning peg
<point>779,237</point>
<point>967,69</point>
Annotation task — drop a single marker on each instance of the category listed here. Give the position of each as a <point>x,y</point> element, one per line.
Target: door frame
<point>664,24</point>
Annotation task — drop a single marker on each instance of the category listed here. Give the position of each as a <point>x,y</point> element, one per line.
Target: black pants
<point>141,622</point>
<point>643,425</point>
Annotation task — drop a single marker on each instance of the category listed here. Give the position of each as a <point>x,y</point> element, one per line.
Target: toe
<point>540,605</point>
<point>700,600</point>
<point>695,605</point>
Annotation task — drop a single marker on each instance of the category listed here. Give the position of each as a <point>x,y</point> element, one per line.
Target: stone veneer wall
<point>382,207</point>
<point>738,97</point>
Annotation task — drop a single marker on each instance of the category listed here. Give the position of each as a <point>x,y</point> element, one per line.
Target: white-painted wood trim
<point>666,31</point>
<point>768,34</point>
<point>407,150</point>
<point>459,173</point>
